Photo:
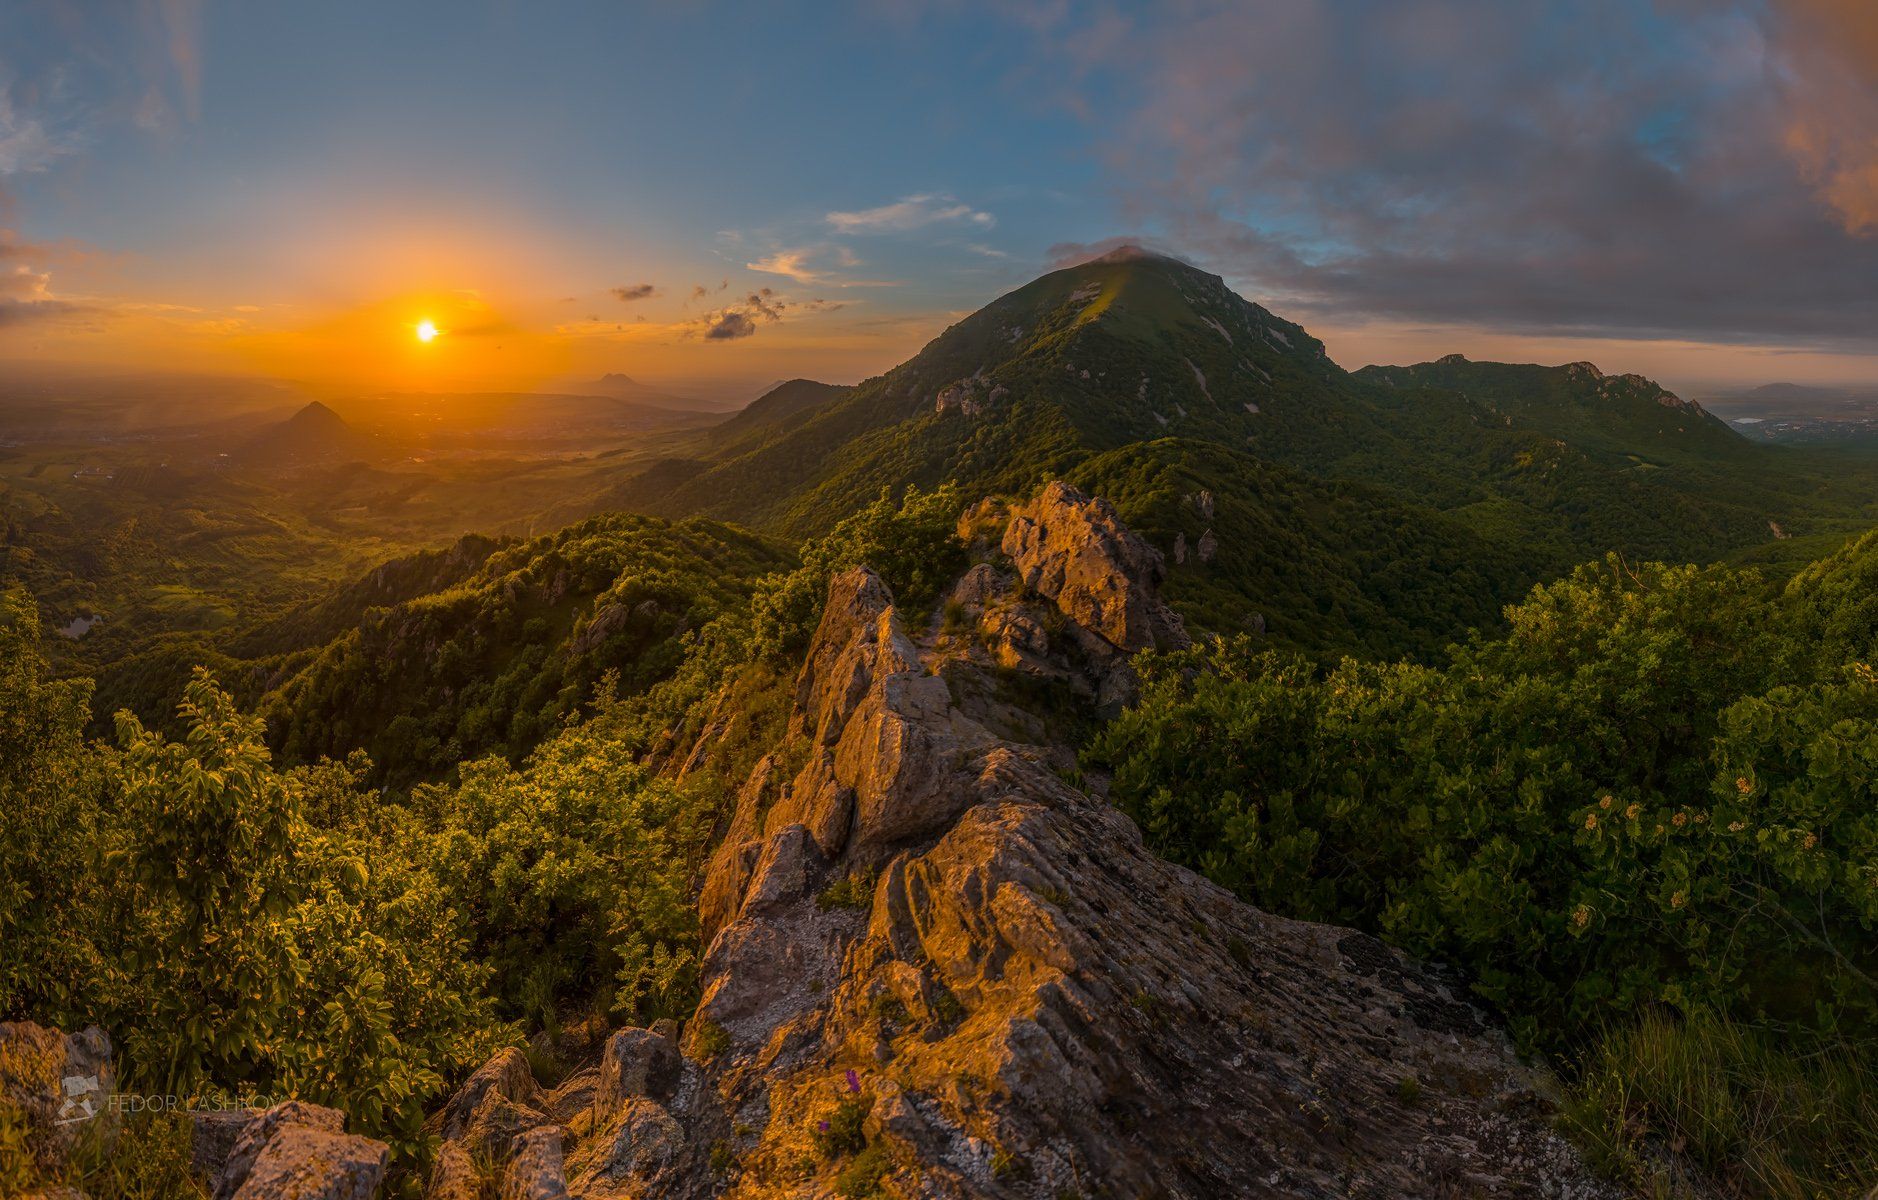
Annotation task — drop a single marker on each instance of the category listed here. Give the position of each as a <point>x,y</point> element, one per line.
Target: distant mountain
<point>517,420</point>
<point>314,435</point>
<point>625,387</point>
<point>777,411</point>
<point>1622,414</point>
<point>1384,511</point>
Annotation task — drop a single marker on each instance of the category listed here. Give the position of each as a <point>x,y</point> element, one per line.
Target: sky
<point>711,196</point>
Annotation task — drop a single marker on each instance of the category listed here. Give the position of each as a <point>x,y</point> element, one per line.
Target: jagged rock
<point>297,1151</point>
<point>303,1163</point>
<point>1076,551</point>
<point>537,1172</point>
<point>1180,548</point>
<point>1030,1003</point>
<point>495,1106</point>
<point>978,589</point>
<point>455,1176</point>
<point>1207,547</point>
<point>640,1141</point>
<point>638,1062</point>
<point>61,1084</point>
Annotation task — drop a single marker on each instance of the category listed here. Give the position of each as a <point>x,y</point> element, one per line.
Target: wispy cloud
<point>818,265</point>
<point>908,213</point>
<point>797,264</point>
<point>631,292</point>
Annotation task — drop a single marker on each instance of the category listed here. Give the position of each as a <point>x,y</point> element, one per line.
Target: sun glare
<point>426,331</point>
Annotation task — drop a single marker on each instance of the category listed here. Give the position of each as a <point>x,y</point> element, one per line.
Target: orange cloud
<point>1829,57</point>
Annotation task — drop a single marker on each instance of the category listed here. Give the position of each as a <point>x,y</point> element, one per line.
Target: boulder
<point>638,1062</point>
<point>293,1151</point>
<point>538,1171</point>
<point>61,1085</point>
<point>495,1104</point>
<point>1075,551</point>
<point>300,1162</point>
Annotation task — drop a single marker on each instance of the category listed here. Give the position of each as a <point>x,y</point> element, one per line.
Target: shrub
<point>1613,805</point>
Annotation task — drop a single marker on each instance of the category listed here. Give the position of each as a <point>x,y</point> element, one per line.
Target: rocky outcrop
<point>940,965</point>
<point>606,1131</point>
<point>55,1089</point>
<point>938,968</point>
<point>1075,552</point>
<point>298,1151</point>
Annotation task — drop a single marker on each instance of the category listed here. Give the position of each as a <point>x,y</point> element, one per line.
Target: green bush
<point>1619,802</point>
<point>574,876</point>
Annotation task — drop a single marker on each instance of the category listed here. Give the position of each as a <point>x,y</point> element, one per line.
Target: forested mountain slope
<point>1386,511</point>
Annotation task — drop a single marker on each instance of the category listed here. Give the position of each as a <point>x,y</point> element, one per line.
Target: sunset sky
<point>711,196</point>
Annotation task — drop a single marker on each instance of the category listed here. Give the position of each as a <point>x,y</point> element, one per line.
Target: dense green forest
<point>1655,794</point>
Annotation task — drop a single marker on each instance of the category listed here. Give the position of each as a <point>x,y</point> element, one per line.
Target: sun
<point>427,330</point>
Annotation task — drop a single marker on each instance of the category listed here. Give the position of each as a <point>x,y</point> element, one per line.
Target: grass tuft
<point>1762,1115</point>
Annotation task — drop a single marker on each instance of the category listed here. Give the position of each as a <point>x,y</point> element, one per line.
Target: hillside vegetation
<point>1385,512</point>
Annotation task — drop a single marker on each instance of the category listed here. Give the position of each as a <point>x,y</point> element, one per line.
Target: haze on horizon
<point>713,196</point>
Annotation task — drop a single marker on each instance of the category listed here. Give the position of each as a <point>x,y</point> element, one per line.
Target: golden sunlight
<point>426,330</point>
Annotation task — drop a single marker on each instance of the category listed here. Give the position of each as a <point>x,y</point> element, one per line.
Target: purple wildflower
<point>854,1081</point>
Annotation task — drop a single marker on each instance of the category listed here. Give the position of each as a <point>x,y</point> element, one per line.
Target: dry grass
<point>1755,1114</point>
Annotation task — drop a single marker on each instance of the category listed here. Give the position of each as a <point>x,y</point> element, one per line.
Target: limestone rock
<point>638,1062</point>
<point>1027,1001</point>
<point>1075,551</point>
<point>537,1172</point>
<point>300,1162</point>
<point>297,1151</point>
<point>496,1104</point>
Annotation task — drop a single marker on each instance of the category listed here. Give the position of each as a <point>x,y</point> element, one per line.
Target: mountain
<point>625,387</point>
<point>490,646</point>
<point>1385,511</point>
<point>782,408</point>
<point>314,435</point>
<point>1626,415</point>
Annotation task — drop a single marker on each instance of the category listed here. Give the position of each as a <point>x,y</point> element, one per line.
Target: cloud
<point>908,213</point>
<point>742,319</point>
<point>795,264</point>
<point>1612,167</point>
<point>727,325</point>
<point>26,296</point>
<point>817,264</point>
<point>632,292</point>
<point>1829,53</point>
<point>25,145</point>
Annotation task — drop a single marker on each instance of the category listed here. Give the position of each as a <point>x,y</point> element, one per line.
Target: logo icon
<point>79,1093</point>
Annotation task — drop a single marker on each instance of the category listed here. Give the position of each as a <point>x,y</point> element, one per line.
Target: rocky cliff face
<point>939,967</point>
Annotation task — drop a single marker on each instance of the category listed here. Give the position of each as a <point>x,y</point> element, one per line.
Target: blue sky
<point>1687,186</point>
